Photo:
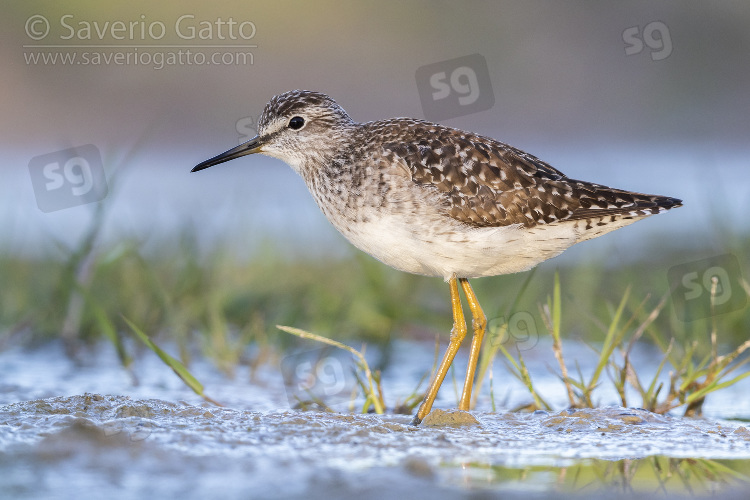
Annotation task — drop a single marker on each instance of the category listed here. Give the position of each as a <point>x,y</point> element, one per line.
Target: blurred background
<point>641,95</point>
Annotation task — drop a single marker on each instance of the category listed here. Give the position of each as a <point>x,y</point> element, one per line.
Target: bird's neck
<point>334,179</point>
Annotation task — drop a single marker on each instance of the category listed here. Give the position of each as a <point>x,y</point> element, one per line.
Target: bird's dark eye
<point>296,123</point>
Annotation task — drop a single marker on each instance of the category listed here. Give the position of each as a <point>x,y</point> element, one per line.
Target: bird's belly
<point>446,248</point>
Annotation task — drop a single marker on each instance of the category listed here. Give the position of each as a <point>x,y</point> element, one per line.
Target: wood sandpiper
<point>437,201</point>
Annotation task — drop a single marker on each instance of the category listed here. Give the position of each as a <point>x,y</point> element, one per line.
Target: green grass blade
<point>610,342</point>
<point>515,369</point>
<point>715,386</point>
<point>176,366</point>
<point>492,393</point>
<point>553,315</point>
<point>556,308</point>
<point>107,328</point>
<point>652,387</point>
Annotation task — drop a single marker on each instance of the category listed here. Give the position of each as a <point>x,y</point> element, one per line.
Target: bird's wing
<point>486,183</point>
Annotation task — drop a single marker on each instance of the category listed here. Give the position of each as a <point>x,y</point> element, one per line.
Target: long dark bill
<point>246,148</point>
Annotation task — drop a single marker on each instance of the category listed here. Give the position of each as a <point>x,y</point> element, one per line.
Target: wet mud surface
<point>117,440</point>
<point>99,441</point>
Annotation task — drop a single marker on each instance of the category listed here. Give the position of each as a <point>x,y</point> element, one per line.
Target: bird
<point>437,201</point>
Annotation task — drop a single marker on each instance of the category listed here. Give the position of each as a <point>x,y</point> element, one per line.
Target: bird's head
<point>299,127</point>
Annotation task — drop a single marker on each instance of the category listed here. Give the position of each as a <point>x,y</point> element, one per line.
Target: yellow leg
<point>457,335</point>
<point>478,323</point>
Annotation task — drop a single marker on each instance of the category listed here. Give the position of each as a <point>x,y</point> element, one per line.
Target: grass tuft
<point>370,382</point>
<point>691,378</point>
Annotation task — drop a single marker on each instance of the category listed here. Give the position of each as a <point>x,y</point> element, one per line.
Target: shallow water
<point>159,439</point>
